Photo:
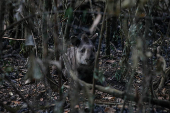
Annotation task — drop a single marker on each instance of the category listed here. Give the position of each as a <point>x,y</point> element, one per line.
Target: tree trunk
<point>2,12</point>
<point>108,36</point>
<point>11,18</point>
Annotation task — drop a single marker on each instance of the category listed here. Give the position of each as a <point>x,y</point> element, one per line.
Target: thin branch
<point>98,54</point>
<point>74,11</point>
<point>16,39</point>
<point>99,47</point>
<point>16,23</point>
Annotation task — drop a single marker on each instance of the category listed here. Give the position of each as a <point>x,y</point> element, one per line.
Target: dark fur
<point>81,57</point>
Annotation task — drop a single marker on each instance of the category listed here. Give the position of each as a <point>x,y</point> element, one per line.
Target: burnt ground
<point>39,95</point>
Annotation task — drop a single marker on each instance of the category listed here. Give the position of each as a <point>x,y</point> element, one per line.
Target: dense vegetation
<point>131,72</point>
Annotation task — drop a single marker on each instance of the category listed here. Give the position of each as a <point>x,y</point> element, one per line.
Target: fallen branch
<point>115,92</point>
<point>131,97</point>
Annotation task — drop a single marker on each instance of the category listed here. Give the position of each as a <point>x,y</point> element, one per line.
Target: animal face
<point>85,53</point>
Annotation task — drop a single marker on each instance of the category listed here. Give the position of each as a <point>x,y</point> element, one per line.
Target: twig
<point>15,23</point>
<point>57,53</point>
<point>36,51</point>
<point>16,39</point>
<point>73,11</point>
<point>97,56</point>
<point>92,9</point>
<point>114,46</point>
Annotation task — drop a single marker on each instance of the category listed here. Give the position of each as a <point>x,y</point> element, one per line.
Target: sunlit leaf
<point>34,71</point>
<point>29,40</point>
<point>128,3</point>
<point>148,54</point>
<point>118,73</point>
<point>161,64</point>
<point>135,57</point>
<point>8,69</point>
<point>84,15</point>
<point>69,14</point>
<point>110,61</point>
<point>11,93</point>
<point>37,72</point>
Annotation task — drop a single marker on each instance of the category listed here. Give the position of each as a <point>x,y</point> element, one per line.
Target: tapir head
<point>85,53</point>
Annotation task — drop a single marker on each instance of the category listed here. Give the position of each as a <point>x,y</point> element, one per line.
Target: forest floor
<point>36,93</point>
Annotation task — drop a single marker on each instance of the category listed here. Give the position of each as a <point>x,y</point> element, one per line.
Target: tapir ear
<point>94,37</point>
<point>75,41</point>
<point>85,38</point>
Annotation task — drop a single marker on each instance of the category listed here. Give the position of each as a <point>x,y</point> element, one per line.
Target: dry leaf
<point>109,98</point>
<point>66,111</point>
<point>16,102</point>
<point>110,61</point>
<point>109,110</point>
<point>100,63</point>
<point>121,106</point>
<point>77,106</point>
<point>160,98</point>
<point>41,99</point>
<point>20,74</point>
<point>22,90</point>
<point>11,93</point>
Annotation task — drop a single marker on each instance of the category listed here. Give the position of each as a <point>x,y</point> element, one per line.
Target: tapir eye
<point>83,50</point>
